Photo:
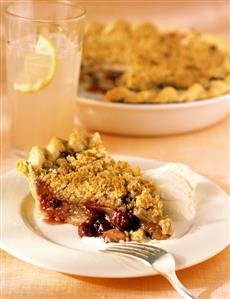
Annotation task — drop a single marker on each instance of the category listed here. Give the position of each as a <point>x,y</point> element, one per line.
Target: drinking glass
<point>43,57</point>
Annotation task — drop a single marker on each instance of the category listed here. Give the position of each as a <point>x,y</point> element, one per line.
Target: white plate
<point>59,248</point>
<point>149,119</point>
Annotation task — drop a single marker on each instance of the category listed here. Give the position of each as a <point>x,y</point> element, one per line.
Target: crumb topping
<point>154,65</point>
<point>80,172</point>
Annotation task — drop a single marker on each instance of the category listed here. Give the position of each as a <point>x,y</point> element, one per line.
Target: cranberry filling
<point>124,221</point>
<point>96,223</point>
<point>101,219</point>
<point>96,86</point>
<point>86,229</point>
<point>56,210</point>
<point>113,75</point>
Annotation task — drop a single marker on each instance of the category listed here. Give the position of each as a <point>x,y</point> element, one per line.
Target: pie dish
<point>140,63</point>
<point>76,181</point>
<point>149,119</point>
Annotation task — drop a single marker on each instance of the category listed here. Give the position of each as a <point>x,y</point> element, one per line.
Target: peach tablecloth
<point>206,151</point>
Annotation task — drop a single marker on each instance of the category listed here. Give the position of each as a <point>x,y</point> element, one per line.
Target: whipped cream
<point>177,185</point>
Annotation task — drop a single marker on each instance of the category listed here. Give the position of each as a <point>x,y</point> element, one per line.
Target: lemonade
<point>42,86</point>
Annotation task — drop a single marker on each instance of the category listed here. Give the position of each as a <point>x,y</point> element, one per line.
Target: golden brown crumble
<point>140,63</point>
<point>80,171</point>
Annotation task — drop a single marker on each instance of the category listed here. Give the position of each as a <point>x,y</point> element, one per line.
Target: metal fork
<point>159,259</point>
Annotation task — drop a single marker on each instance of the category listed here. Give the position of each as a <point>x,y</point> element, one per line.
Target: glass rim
<point>47,20</point>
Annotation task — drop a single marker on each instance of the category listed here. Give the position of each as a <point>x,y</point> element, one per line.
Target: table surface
<point>205,151</point>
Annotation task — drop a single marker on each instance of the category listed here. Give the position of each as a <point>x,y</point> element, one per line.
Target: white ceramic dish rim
<point>171,106</point>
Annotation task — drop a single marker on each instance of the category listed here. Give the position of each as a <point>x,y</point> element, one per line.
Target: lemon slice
<point>39,67</point>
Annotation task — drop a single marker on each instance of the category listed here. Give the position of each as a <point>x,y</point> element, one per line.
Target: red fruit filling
<point>56,210</point>
<point>101,219</point>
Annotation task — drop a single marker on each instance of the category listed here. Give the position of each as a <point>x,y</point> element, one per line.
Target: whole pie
<point>76,181</point>
<point>140,63</point>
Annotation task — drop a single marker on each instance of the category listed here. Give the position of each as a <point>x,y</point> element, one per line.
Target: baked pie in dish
<point>140,63</point>
<point>76,181</point>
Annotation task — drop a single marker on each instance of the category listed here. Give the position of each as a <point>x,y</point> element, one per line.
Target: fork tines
<point>137,249</point>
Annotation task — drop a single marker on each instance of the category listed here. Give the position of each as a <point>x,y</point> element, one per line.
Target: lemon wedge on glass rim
<point>39,67</point>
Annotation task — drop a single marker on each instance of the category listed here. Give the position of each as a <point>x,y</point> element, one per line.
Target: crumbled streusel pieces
<point>140,63</point>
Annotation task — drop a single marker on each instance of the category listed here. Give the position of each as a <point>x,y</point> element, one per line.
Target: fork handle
<point>166,267</point>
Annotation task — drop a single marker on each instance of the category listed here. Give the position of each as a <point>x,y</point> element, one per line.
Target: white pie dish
<point>150,119</point>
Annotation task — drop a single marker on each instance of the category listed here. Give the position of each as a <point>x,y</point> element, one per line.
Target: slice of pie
<point>77,182</point>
